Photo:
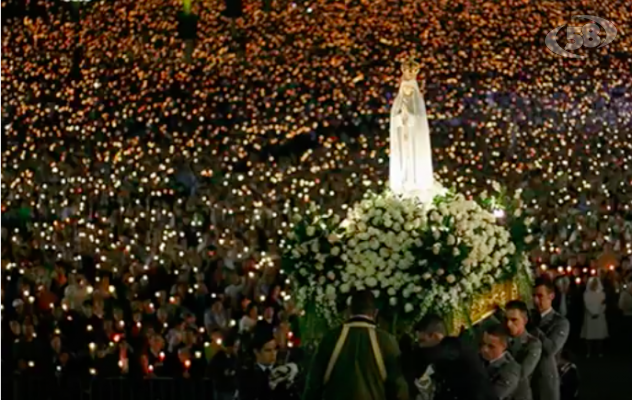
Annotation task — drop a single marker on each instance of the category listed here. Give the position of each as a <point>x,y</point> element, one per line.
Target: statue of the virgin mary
<point>410,169</point>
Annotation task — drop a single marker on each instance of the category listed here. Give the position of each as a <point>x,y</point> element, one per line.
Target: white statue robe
<point>410,167</point>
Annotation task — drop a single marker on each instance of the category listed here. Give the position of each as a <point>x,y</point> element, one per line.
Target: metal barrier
<point>75,388</point>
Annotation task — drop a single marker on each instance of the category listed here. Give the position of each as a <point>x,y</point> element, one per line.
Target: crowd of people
<point>145,196</point>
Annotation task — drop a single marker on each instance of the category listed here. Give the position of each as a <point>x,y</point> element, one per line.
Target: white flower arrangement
<point>414,256</point>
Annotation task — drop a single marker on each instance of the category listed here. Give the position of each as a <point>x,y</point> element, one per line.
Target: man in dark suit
<point>552,330</point>
<point>357,361</point>
<point>459,373</point>
<point>504,371</point>
<point>525,348</point>
<point>254,380</point>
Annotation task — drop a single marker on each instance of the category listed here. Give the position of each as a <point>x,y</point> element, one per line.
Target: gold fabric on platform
<point>484,305</point>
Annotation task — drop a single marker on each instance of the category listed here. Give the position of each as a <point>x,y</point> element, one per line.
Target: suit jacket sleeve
<point>553,343</point>
<point>506,383</point>
<point>396,386</point>
<point>530,362</point>
<point>314,384</point>
<point>248,388</point>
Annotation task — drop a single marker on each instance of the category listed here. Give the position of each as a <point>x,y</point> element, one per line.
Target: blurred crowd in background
<point>144,196</point>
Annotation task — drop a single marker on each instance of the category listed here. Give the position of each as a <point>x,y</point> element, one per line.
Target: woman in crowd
<point>595,328</point>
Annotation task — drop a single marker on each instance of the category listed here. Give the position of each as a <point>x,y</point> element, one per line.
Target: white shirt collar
<point>547,312</point>
<point>265,367</point>
<point>498,358</point>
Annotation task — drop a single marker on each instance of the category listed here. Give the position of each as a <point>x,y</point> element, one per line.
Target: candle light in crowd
<point>89,328</point>
<point>161,356</point>
<point>92,346</point>
<point>151,369</point>
<point>198,354</point>
<point>219,341</point>
<point>31,364</point>
<point>93,371</point>
<point>232,322</point>
<point>187,364</point>
<point>578,280</point>
<point>560,270</point>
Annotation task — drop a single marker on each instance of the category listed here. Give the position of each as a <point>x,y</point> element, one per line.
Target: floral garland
<point>415,257</point>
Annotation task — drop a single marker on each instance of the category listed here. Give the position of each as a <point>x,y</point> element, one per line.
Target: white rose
<point>362,226</point>
<point>408,226</point>
<point>321,280</point>
<point>370,281</point>
<point>397,227</point>
<point>456,252</point>
<point>374,243</point>
<point>335,251</point>
<point>505,261</point>
<point>528,221</point>
<point>320,266</point>
<point>451,240</point>
<point>518,213</point>
<point>391,292</point>
<point>408,307</point>
<point>384,252</point>
<point>392,301</point>
<point>344,288</point>
<point>333,238</point>
<point>336,219</point>
<point>352,243</point>
<point>315,248</point>
<point>528,239</point>
<point>302,271</point>
<point>426,276</point>
<point>450,278</point>
<point>296,254</point>
<point>436,248</point>
<point>311,231</point>
<point>388,223</point>
<point>440,271</point>
<point>291,236</point>
<point>436,234</point>
<point>331,275</point>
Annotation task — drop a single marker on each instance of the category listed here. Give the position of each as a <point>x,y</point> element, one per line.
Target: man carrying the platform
<point>458,373</point>
<point>357,361</point>
<point>552,330</point>
<point>525,348</point>
<point>504,371</point>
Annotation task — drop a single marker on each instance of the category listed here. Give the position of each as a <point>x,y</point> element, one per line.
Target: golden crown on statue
<point>410,68</point>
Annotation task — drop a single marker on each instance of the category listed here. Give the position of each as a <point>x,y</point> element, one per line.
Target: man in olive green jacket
<point>357,361</point>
